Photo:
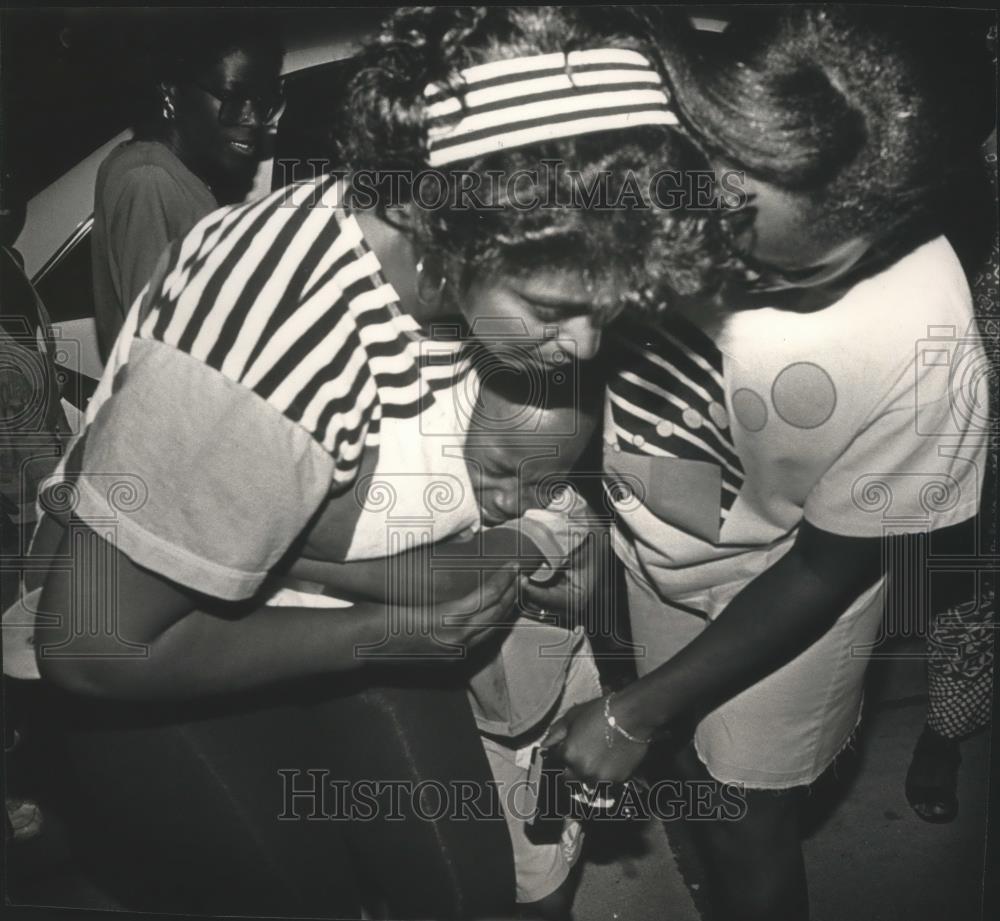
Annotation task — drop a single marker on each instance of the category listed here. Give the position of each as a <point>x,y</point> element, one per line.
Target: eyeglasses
<point>235,107</point>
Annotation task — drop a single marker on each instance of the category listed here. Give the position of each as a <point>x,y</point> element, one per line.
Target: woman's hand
<point>436,629</point>
<point>580,738</point>
<point>575,590</point>
<point>184,645</point>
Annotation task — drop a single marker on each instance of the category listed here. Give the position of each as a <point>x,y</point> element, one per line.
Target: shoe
<point>932,779</point>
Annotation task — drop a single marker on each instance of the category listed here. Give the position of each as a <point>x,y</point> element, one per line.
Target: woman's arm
<point>773,619</point>
<point>194,646</point>
<point>451,566</point>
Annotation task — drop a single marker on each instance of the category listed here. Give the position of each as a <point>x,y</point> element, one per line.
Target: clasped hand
<point>575,589</point>
<point>590,750</point>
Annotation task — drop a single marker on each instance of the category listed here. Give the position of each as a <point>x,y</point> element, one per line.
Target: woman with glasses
<point>214,93</point>
<point>786,436</point>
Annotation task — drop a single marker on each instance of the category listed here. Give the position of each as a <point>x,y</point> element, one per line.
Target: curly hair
<point>650,249</point>
<point>875,116</point>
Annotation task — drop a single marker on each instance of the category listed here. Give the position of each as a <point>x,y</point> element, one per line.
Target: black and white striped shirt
<point>267,363</point>
<point>849,417</point>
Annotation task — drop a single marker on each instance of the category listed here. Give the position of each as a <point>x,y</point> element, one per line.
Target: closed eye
<point>554,312</point>
<point>555,308</point>
<point>547,313</point>
<point>490,467</point>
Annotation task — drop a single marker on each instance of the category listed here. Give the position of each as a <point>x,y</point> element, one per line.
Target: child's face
<point>506,478</point>
<point>508,465</point>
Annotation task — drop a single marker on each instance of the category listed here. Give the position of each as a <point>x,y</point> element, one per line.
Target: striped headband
<point>523,101</point>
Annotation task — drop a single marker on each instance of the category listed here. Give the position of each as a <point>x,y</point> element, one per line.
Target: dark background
<point>70,78</point>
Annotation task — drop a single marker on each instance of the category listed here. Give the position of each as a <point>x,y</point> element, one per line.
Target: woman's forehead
<point>514,450</point>
<point>246,66</point>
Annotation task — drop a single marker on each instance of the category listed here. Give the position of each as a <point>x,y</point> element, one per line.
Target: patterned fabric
<point>316,334</point>
<point>960,668</point>
<point>671,400</point>
<point>266,364</point>
<point>520,101</point>
<point>961,641</point>
<point>722,434</point>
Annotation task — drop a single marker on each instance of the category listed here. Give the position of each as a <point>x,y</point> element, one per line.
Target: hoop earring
<point>168,109</point>
<point>422,294</point>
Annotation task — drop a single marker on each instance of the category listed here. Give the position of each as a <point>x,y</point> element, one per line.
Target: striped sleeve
<point>667,400</point>
<point>266,353</point>
<point>279,296</point>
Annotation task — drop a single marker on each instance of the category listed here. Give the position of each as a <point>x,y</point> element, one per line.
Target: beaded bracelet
<point>617,727</point>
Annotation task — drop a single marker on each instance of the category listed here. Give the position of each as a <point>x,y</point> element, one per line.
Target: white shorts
<point>540,869</point>
<point>786,729</point>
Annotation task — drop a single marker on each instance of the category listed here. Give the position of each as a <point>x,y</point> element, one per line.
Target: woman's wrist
<point>616,730</point>
<point>638,713</point>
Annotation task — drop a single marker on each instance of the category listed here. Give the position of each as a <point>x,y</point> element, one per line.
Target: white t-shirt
<point>863,418</point>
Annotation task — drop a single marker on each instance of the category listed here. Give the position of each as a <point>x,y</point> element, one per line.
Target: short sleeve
<point>150,212</point>
<point>194,476</point>
<point>919,462</point>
